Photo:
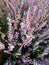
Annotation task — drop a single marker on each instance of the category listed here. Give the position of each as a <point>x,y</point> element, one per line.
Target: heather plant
<point>24,32</point>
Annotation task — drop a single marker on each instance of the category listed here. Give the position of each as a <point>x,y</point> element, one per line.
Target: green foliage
<point>40,50</point>
<point>22,11</point>
<point>0,38</point>
<point>3,57</point>
<point>19,38</point>
<point>3,41</point>
<point>31,45</point>
<point>46,56</point>
<point>3,24</point>
<point>34,40</point>
<point>15,49</point>
<point>42,44</point>
<point>24,50</point>
<point>34,54</point>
